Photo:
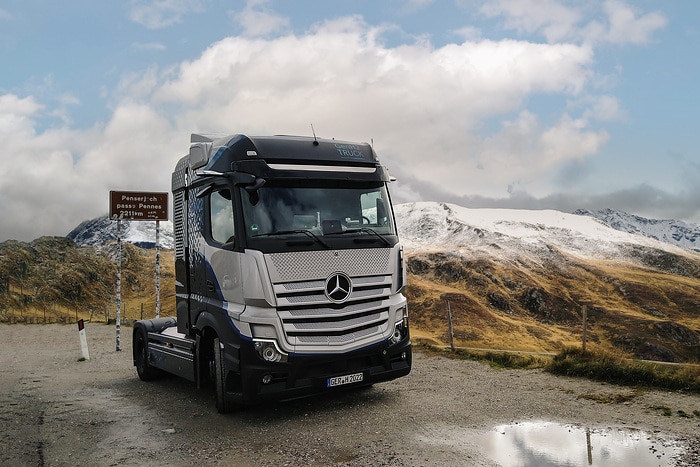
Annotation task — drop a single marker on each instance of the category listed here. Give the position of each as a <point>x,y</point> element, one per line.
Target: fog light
<point>403,355</point>
<point>267,379</point>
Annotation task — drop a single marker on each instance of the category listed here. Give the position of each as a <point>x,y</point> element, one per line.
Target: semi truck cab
<point>289,272</point>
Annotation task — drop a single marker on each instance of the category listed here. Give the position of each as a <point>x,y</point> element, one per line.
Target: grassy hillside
<point>647,312</point>
<point>53,280</point>
<point>649,309</point>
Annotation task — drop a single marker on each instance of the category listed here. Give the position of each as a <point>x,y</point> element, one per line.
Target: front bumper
<point>305,375</point>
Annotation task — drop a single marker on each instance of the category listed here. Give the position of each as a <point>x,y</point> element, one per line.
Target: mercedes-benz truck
<point>289,272</point>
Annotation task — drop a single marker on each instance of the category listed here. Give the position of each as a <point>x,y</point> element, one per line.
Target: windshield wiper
<point>364,230</point>
<point>308,233</point>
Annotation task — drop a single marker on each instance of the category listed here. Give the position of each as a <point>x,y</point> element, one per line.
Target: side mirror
<point>381,212</point>
<point>252,190</point>
<point>259,182</point>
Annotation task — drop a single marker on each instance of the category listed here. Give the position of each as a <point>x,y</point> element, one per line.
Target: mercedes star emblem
<point>338,287</point>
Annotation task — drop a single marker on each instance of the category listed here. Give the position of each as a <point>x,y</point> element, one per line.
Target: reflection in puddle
<point>552,444</point>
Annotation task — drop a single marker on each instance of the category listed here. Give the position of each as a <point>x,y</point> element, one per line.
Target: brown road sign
<point>138,205</point>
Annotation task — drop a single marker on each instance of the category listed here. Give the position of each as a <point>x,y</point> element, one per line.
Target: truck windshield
<point>318,212</point>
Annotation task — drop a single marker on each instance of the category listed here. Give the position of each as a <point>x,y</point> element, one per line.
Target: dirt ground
<point>60,411</point>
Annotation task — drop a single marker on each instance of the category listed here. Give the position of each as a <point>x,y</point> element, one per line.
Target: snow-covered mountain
<point>100,230</point>
<point>512,233</point>
<point>670,231</point>
<point>496,232</point>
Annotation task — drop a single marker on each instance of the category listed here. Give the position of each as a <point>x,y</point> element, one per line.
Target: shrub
<point>613,368</point>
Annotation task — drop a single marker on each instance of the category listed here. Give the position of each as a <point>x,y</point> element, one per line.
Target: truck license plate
<point>347,379</point>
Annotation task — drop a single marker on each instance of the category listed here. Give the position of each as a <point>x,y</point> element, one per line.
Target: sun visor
<point>199,155</point>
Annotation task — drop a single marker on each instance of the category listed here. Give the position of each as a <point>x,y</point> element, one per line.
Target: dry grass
<point>98,298</point>
<point>613,367</point>
<point>640,311</point>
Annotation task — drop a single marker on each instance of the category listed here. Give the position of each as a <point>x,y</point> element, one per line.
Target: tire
<point>223,402</point>
<point>145,371</point>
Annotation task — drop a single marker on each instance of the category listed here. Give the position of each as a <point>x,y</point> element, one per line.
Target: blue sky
<point>536,104</point>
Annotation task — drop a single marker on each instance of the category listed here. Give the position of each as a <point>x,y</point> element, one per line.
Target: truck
<point>289,273</point>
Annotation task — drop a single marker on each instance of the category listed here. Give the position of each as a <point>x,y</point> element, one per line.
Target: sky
<point>528,104</point>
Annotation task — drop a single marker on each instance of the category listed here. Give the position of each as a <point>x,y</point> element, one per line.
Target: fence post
<point>585,326</point>
<point>449,326</point>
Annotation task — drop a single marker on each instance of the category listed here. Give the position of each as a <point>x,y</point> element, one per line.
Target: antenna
<point>314,133</point>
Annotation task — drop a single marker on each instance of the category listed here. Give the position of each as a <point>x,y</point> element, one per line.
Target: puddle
<point>553,444</point>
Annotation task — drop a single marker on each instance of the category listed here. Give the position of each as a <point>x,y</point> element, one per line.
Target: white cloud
<point>556,21</point>
<point>414,100</point>
<point>626,27</point>
<point>37,176</point>
<point>468,33</point>
<point>68,99</point>
<point>257,20</point>
<point>156,14</point>
<point>16,115</point>
<point>451,119</point>
<point>55,178</point>
<point>157,46</point>
<point>605,108</point>
<point>411,6</point>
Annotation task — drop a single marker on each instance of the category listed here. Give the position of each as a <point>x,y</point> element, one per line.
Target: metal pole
<point>119,282</point>
<point>157,269</point>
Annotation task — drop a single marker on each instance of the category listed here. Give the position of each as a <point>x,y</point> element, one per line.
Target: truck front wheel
<point>223,402</point>
<point>145,371</point>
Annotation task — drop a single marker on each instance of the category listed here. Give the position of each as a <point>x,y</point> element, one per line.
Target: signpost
<point>137,206</point>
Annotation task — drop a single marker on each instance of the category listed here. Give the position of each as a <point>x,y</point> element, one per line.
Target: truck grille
<point>310,318</point>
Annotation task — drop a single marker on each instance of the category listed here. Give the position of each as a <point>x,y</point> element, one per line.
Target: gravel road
<point>59,411</point>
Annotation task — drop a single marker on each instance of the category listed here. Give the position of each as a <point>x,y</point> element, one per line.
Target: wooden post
<point>589,448</point>
<point>449,326</point>
<point>585,325</point>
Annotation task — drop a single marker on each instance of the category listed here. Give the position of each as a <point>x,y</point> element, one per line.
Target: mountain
<point>513,232</point>
<point>512,279</point>
<point>671,231</point>
<point>101,230</point>
<point>518,279</point>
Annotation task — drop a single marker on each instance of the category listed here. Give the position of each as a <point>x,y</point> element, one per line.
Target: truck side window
<point>221,216</point>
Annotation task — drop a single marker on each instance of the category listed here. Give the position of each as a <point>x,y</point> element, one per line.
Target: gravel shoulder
<point>57,410</point>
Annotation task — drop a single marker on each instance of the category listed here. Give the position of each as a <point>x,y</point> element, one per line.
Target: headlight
<point>268,351</point>
<point>398,333</point>
<point>400,328</point>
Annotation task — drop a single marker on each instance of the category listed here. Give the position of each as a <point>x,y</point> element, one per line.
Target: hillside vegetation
<point>647,309</point>
<point>649,312</point>
<point>53,280</point>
